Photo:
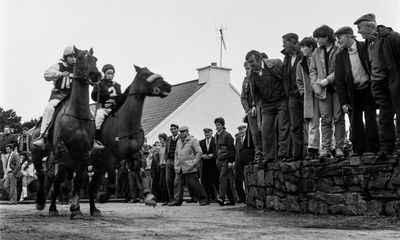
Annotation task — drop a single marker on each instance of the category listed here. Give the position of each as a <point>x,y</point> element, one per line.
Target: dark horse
<point>122,132</point>
<point>70,138</point>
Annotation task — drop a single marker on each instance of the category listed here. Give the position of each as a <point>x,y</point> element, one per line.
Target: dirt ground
<point>189,221</point>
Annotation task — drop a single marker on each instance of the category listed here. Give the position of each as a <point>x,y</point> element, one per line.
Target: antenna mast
<point>222,44</point>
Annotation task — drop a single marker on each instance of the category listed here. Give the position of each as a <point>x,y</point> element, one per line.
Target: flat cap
<point>241,127</point>
<point>183,128</point>
<point>175,125</point>
<point>207,130</point>
<point>370,17</point>
<point>344,30</point>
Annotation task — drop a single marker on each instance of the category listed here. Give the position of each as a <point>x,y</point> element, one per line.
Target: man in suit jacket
<point>170,147</point>
<point>209,174</point>
<point>12,173</point>
<point>353,85</point>
<point>240,162</point>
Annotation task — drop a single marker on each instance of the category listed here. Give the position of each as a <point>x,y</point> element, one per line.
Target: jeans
<point>271,112</point>
<point>313,126</point>
<point>255,133</point>
<point>332,114</point>
<point>296,106</point>
<point>225,181</point>
<point>192,182</point>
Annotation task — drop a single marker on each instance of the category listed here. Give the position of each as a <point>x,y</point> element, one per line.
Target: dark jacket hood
<point>383,30</point>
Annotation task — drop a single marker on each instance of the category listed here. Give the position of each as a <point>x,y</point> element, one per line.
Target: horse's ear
<point>137,68</point>
<point>91,51</point>
<point>76,50</point>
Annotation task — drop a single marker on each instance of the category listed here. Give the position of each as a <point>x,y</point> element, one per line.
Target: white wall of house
<point>217,98</point>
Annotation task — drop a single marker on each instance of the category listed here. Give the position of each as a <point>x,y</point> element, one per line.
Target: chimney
<point>215,74</point>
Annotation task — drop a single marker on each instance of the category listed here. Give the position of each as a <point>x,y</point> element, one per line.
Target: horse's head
<point>148,83</point>
<point>85,66</point>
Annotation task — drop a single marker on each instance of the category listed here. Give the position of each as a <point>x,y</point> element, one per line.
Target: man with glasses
<point>60,74</point>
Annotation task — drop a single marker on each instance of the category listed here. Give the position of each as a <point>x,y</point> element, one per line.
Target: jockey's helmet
<point>69,51</point>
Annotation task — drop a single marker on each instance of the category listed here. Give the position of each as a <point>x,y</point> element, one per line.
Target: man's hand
<point>346,108</point>
<point>323,82</point>
<point>254,111</point>
<point>65,73</point>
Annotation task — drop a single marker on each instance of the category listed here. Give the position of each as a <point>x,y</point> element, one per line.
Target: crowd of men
<point>295,110</point>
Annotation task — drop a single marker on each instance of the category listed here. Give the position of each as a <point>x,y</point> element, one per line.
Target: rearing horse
<point>71,137</point>
<point>122,133</point>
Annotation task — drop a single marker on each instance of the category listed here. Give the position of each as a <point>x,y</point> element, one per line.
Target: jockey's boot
<point>97,145</point>
<point>40,142</point>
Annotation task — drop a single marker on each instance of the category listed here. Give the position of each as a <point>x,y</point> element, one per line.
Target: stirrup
<point>97,145</point>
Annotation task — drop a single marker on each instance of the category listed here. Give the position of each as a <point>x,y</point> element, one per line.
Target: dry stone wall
<point>354,186</point>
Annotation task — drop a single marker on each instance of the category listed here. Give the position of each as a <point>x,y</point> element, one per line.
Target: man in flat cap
<point>353,85</point>
<point>210,173</point>
<point>240,163</point>
<point>187,158</point>
<point>384,56</point>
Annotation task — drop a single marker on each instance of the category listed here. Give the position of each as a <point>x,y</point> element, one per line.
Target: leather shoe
<point>220,201</point>
<point>174,203</point>
<point>230,203</point>
<point>203,202</point>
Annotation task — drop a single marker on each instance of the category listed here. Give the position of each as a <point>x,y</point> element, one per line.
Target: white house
<point>195,104</point>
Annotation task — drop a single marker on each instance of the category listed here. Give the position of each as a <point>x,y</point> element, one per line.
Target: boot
<point>97,145</point>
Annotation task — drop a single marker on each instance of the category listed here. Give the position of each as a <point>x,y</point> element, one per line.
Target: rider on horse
<point>105,93</point>
<point>60,73</point>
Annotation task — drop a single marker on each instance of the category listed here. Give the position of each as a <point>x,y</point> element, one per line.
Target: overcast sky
<point>172,38</point>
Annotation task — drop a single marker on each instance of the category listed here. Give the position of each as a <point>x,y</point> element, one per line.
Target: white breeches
<point>101,114</point>
<point>48,114</point>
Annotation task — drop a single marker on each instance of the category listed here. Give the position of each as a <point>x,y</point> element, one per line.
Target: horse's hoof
<point>96,213</point>
<point>76,214</point>
<point>54,213</point>
<point>40,207</point>
<point>150,200</point>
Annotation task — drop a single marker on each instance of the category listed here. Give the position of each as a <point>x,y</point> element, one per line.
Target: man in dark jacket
<point>384,55</point>
<point>225,157</point>
<point>292,57</point>
<point>353,85</point>
<point>240,162</point>
<point>209,174</point>
<point>170,147</point>
<point>246,98</point>
<point>269,94</point>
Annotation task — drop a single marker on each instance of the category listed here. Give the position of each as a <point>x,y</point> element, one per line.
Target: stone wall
<point>354,186</point>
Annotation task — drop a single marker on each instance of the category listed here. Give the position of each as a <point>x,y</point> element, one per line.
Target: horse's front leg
<point>40,195</point>
<point>56,190</point>
<point>77,185</point>
<point>93,190</point>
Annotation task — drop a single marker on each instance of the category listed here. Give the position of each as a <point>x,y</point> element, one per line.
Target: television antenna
<point>222,43</point>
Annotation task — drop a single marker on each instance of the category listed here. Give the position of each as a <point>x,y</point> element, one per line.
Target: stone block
<point>351,198</point>
<point>394,181</point>
<point>355,180</point>
<point>260,178</point>
<point>355,189</point>
<point>379,181</point>
<point>337,189</point>
<point>356,170</point>
<point>278,205</point>
<point>366,160</point>
<point>278,176</point>
<point>260,204</point>
<point>307,185</point>
<point>371,208</point>
<point>292,204</point>
<point>384,194</point>
<point>373,169</point>
<point>355,161</point>
<point>280,186</point>
<point>339,180</point>
<point>393,208</point>
<point>269,191</point>
<point>329,171</point>
<point>273,166</point>
<point>308,172</point>
<point>325,184</point>
<point>290,178</point>
<point>269,202</point>
<point>330,198</point>
<point>289,167</point>
<point>261,193</point>
<point>290,187</point>
<point>280,194</point>
<point>268,178</point>
<point>311,163</point>
<point>343,209</point>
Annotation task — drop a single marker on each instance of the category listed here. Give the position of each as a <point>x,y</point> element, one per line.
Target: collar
<point>353,47</point>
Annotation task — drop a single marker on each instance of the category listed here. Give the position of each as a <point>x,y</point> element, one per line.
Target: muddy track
<point>190,221</point>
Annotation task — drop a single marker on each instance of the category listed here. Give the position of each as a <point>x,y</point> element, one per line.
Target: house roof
<point>156,109</point>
